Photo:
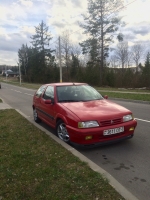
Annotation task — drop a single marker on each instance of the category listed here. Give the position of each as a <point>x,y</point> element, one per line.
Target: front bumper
<point>92,145</point>
<point>77,136</point>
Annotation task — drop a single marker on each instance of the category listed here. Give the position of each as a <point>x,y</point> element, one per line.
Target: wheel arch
<point>61,117</point>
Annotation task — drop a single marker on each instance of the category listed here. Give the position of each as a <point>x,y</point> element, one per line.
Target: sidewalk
<point>4,106</point>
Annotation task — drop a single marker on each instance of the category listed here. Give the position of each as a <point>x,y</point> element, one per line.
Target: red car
<point>81,115</point>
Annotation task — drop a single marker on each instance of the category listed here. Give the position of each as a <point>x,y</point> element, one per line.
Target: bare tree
<point>129,59</point>
<point>137,53</point>
<point>113,61</point>
<point>76,50</point>
<point>66,48</point>
<point>122,53</point>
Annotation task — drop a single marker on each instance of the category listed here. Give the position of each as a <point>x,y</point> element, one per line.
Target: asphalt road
<point>127,161</point>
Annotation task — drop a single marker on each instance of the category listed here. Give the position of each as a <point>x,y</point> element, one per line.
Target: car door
<point>47,108</point>
<point>37,100</point>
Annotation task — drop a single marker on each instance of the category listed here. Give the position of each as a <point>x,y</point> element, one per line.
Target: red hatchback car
<point>81,115</point>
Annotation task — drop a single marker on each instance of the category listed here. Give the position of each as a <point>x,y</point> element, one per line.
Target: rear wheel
<point>62,132</point>
<point>35,115</point>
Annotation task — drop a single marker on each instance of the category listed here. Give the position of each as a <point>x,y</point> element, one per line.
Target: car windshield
<point>75,93</point>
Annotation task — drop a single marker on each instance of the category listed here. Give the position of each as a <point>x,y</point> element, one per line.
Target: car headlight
<point>88,124</point>
<point>127,118</point>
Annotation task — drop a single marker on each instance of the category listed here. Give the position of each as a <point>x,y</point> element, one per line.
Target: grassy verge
<point>16,82</point>
<point>26,85</point>
<point>116,94</point>
<point>33,166</point>
<point>123,89</point>
<point>141,97</point>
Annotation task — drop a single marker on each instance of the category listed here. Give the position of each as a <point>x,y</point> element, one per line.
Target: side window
<point>49,93</point>
<point>40,91</point>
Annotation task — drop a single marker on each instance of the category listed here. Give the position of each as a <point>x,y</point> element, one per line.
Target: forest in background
<point>93,60</point>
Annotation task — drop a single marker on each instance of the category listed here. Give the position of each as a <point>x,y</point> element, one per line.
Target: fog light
<point>89,137</point>
<point>131,129</point>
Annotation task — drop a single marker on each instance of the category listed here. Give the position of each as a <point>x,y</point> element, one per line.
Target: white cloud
<point>26,3</point>
<point>6,59</point>
<point>18,19</point>
<point>28,30</point>
<point>137,11</point>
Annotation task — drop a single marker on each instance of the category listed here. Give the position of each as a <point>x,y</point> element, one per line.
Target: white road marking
<point>21,92</point>
<point>142,120</point>
<point>33,95</point>
<point>29,94</point>
<point>17,91</point>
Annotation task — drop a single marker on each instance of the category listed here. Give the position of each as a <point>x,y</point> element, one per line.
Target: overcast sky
<point>18,19</point>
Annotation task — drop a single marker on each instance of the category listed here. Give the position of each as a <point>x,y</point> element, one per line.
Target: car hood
<point>96,110</point>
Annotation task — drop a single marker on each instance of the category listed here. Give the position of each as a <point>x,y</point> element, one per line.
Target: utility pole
<point>60,61</point>
<point>19,73</point>
<point>6,73</point>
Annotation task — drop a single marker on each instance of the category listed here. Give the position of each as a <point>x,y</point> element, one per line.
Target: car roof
<point>66,84</point>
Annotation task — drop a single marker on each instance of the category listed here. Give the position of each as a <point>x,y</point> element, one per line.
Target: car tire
<point>35,116</point>
<point>62,132</point>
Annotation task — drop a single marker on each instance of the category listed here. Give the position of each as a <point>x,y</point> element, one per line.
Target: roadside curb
<point>112,181</point>
<point>4,105</point>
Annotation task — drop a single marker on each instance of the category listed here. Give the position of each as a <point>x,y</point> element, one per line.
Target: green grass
<point>123,89</point>
<point>0,101</point>
<point>26,85</point>
<point>111,92</point>
<point>132,96</point>
<point>33,166</point>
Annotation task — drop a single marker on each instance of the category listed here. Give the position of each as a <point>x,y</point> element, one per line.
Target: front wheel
<point>62,132</point>
<point>35,116</point>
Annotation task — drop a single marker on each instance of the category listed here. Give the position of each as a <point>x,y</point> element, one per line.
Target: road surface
<point>127,161</point>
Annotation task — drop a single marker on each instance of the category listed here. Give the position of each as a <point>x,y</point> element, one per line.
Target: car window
<point>40,91</point>
<point>49,93</point>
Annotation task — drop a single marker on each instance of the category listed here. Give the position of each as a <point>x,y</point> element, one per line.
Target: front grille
<point>111,122</point>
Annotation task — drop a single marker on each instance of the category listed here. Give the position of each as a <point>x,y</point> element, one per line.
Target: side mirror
<point>49,101</point>
<point>105,97</point>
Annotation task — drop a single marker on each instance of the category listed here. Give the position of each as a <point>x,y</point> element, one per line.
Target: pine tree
<point>23,58</point>
<point>101,23</point>
<point>146,71</point>
<point>74,66</point>
<point>40,42</point>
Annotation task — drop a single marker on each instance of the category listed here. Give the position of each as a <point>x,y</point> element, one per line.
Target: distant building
<point>9,73</point>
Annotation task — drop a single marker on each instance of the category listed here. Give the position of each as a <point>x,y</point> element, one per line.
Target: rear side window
<point>40,91</point>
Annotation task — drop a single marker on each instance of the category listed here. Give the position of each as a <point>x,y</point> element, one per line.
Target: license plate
<point>113,131</point>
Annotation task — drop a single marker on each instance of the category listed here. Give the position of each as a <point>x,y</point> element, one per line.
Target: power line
<point>126,5</point>
<point>81,28</point>
<point>112,13</point>
<point>39,52</point>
